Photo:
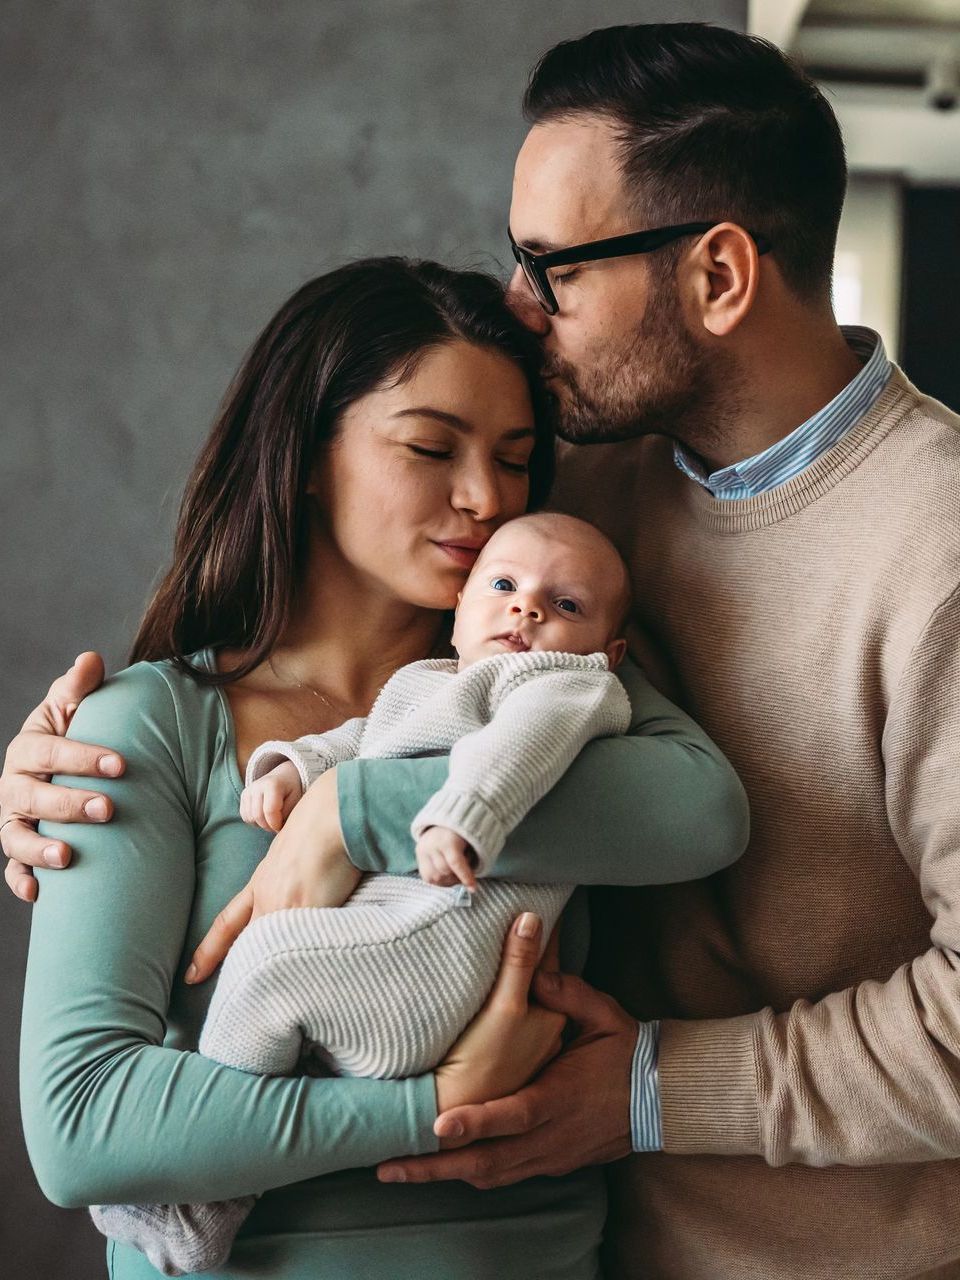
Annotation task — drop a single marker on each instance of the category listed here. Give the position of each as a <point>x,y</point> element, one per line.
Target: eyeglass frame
<point>535,265</point>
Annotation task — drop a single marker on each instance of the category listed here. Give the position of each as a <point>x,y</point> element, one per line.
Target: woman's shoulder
<point>152,706</point>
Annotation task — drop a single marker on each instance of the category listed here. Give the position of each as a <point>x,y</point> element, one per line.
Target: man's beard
<point>658,382</point>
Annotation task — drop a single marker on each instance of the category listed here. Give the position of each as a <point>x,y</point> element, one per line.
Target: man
<point>788,505</point>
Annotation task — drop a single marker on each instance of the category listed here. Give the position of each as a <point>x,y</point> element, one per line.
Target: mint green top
<point>118,1106</point>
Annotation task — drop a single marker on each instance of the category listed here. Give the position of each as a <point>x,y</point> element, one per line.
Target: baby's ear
<point>616,651</point>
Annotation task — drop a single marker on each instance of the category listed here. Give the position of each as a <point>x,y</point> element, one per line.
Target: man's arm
<point>868,1075</point>
<point>672,807</point>
<point>871,1074</point>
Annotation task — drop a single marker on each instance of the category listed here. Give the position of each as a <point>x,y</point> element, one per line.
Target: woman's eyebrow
<point>459,424</point>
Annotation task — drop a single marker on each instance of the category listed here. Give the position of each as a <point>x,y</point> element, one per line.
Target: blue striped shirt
<point>789,456</point>
<point>746,479</point>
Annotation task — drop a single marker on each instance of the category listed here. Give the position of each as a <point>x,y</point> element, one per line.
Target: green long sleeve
<point>659,805</point>
<point>116,1104</point>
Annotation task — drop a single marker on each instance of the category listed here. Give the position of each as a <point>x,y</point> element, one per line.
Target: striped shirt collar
<point>789,456</point>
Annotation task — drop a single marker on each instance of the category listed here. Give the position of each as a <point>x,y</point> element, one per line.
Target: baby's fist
<point>444,858</point>
<point>267,802</point>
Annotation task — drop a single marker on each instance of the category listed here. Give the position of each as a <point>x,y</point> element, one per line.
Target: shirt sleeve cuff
<point>645,1114</point>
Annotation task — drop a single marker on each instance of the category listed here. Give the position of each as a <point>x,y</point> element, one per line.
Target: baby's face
<point>537,587</point>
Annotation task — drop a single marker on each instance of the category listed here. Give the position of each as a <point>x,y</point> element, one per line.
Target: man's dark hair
<point>713,124</point>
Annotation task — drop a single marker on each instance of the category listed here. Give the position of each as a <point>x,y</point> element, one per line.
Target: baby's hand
<point>267,802</point>
<point>445,858</point>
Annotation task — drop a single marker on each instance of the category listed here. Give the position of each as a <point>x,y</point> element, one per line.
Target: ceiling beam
<point>776,20</point>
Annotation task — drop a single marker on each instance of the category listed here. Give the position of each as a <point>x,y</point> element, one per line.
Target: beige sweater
<point>810,1054</point>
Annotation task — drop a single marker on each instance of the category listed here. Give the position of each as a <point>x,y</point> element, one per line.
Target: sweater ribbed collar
<point>741,515</point>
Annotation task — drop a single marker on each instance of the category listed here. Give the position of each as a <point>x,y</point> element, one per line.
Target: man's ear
<point>723,273</point>
<point>616,651</point>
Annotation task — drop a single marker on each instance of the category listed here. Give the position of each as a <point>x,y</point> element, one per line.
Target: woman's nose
<point>478,494</point>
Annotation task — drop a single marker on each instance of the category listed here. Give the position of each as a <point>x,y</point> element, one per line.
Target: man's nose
<point>520,300</point>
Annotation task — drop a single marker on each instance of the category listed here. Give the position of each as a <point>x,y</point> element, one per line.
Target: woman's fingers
<point>521,951</point>
<point>221,935</point>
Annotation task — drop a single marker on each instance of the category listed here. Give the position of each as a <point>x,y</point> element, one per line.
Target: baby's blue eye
<point>569,606</point>
<point>502,584</point>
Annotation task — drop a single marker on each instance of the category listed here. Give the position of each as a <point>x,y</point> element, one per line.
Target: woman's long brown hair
<point>241,538</point>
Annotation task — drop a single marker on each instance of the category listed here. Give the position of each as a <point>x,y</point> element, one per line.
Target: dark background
<point>171,172</point>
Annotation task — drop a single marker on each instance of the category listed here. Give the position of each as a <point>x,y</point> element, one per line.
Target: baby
<point>384,985</point>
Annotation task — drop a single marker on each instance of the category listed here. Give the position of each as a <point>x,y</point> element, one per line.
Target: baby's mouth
<point>513,640</point>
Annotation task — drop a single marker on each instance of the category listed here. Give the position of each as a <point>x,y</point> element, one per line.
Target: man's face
<point>620,358</point>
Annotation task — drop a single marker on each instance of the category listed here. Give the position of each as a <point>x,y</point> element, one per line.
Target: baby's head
<point>544,582</point>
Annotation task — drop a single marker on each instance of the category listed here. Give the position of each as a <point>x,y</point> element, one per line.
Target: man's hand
<point>576,1113</point>
<point>444,858</point>
<point>306,866</point>
<point>26,794</point>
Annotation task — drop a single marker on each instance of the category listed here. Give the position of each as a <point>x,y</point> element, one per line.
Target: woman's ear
<point>616,651</point>
<point>723,275</point>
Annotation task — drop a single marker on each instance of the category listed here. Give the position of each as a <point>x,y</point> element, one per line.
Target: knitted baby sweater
<point>512,723</point>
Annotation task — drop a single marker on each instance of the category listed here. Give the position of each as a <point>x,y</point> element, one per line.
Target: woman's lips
<point>463,554</point>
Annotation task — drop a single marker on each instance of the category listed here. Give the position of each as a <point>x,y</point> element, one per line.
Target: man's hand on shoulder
<point>575,1113</point>
<point>26,793</point>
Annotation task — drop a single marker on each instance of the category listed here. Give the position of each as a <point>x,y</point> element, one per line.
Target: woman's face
<point>421,474</point>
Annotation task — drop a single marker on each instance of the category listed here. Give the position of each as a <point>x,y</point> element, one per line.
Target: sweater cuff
<point>709,1087</point>
<point>309,764</point>
<point>470,817</point>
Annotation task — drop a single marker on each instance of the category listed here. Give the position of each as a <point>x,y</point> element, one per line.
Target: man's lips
<point>463,552</point>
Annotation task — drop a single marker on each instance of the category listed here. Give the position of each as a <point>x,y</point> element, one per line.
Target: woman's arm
<point>111,1115</point>
<point>659,805</point>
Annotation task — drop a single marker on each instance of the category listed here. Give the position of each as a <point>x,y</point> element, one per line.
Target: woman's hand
<point>306,866</point>
<point>510,1040</point>
<point>26,793</point>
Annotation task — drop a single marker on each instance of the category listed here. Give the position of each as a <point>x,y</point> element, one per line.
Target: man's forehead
<point>567,184</point>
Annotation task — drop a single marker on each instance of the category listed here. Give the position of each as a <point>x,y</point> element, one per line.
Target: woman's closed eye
<point>517,466</point>
<point>423,452</point>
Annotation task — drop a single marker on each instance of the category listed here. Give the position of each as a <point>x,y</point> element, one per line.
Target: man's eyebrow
<point>537,246</point>
<point>458,423</point>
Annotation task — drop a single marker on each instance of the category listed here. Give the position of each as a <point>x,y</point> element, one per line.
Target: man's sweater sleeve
<point>499,772</point>
<point>312,755</point>
<point>656,805</point>
<point>110,1113</point>
<point>871,1074</point>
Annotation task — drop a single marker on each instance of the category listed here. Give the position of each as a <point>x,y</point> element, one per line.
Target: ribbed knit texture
<point>382,985</point>
<point>810,1050</point>
<point>513,724</point>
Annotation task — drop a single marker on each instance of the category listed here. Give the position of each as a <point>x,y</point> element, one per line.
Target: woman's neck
<point>347,636</point>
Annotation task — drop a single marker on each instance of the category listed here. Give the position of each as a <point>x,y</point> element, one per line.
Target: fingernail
<point>528,924</point>
<point>392,1175</point>
<point>190,974</point>
<point>110,765</point>
<point>54,857</point>
<point>448,1128</point>
<point>96,809</point>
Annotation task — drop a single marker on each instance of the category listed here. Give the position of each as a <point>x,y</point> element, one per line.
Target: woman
<point>385,423</point>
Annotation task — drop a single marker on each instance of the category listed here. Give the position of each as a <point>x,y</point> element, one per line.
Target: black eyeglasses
<point>536,265</point>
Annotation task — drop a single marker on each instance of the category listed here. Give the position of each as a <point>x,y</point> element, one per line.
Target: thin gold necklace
<point>309,688</point>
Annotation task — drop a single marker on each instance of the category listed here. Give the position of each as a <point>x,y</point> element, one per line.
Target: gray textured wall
<point>170,173</point>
